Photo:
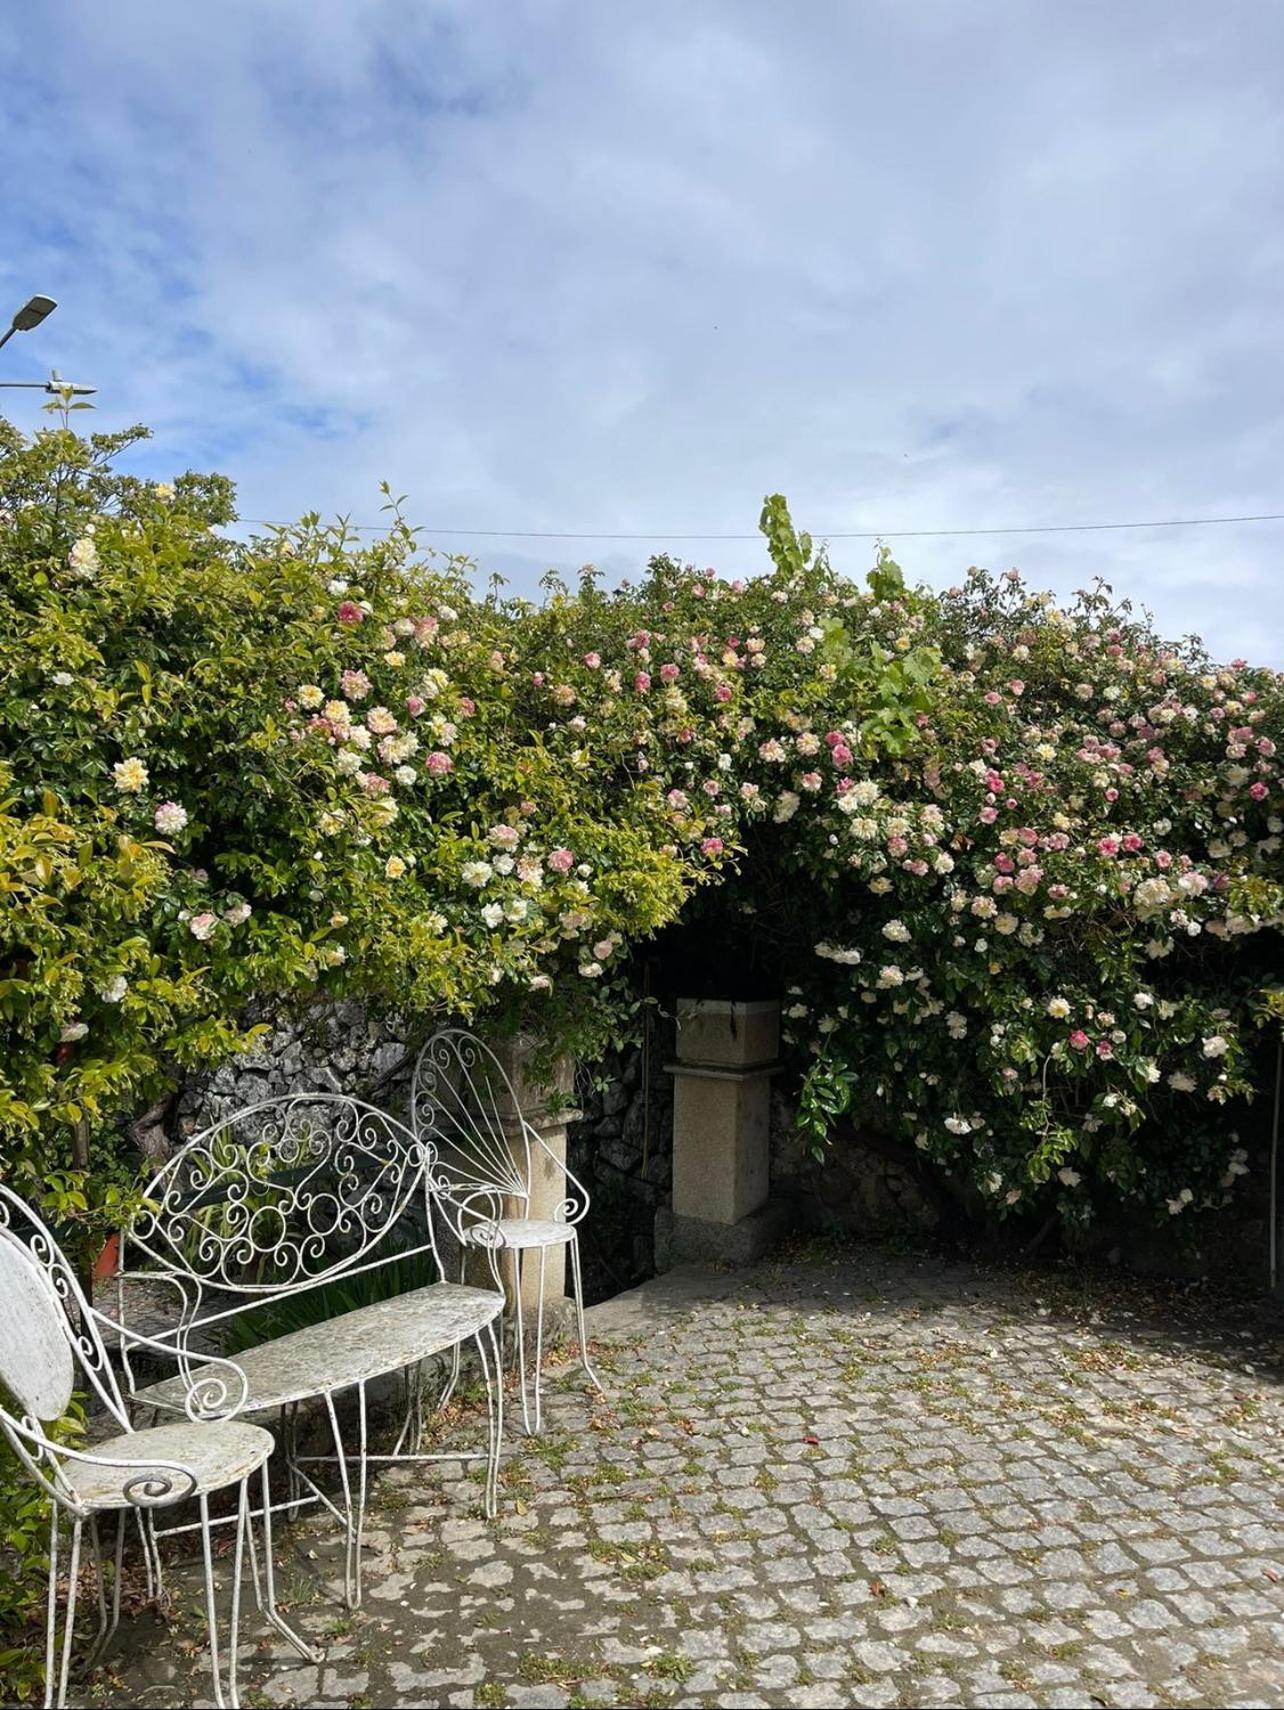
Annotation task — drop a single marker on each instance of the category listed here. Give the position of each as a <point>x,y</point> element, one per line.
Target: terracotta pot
<point>108,1261</point>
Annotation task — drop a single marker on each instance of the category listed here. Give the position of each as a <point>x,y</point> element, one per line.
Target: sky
<point>580,268</point>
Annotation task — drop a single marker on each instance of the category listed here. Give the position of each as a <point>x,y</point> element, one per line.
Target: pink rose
<point>642,682</point>
<point>560,861</point>
<point>1258,791</point>
<point>415,704</point>
<point>351,612</point>
<point>438,764</point>
<point>722,692</point>
<point>712,846</point>
<point>1079,1040</point>
<point>592,660</point>
<point>202,925</point>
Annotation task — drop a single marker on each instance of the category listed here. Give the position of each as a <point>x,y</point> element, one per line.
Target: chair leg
<point>100,1590</point>
<point>211,1612</point>
<point>238,1567</point>
<point>151,1544</point>
<point>51,1605</point>
<point>493,1373</point>
<point>108,1617</point>
<point>69,1619</point>
<point>539,1346</point>
<point>520,1317</point>
<point>120,1574</point>
<point>578,1289</point>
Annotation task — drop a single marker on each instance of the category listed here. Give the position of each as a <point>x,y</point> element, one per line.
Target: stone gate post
<point>726,1056</point>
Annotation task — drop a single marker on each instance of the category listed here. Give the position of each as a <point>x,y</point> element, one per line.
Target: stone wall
<point>336,1048</point>
<point>850,1189</point>
<point>622,1150</point>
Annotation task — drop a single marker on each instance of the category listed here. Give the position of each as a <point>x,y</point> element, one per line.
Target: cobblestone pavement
<point>857,1480</point>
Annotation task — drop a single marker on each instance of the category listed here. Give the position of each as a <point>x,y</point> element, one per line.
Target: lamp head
<point>32,312</point>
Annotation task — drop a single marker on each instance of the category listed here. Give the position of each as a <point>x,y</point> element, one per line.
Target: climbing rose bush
<point>1037,964</point>
<point>237,776</point>
<point>1016,864</point>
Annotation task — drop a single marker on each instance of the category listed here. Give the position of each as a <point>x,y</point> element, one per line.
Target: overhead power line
<point>817,533</point>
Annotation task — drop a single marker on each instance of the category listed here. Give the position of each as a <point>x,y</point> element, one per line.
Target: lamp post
<point>30,315</point>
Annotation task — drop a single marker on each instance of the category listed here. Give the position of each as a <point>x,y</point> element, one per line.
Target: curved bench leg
<point>265,1589</point>
<point>363,1473</point>
<point>351,1595</point>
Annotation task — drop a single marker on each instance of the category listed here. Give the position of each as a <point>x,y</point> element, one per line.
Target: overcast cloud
<point>571,266</point>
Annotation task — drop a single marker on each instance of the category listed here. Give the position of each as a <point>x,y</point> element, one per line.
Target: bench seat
<point>357,1346</point>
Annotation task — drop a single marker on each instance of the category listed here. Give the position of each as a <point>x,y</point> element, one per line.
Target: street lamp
<point>30,315</point>
<point>32,312</point>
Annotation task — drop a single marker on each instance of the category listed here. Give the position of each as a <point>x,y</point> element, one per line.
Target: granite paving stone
<point>841,1476</point>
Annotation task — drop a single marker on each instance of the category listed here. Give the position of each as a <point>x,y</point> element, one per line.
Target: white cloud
<point>571,266</point>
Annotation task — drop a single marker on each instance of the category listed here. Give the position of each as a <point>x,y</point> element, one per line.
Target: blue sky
<point>919,264</point>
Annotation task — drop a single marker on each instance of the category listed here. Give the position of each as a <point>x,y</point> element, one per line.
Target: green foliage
<point>24,1568</point>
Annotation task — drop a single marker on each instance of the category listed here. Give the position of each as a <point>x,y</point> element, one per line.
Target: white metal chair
<point>300,1194</point>
<point>463,1101</point>
<point>48,1328</point>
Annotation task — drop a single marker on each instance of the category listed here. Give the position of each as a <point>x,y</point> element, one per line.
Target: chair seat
<point>524,1232</point>
<point>353,1348</point>
<point>220,1453</point>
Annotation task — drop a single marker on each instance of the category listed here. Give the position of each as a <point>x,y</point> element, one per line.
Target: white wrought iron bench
<point>48,1331</point>
<point>463,1103</point>
<point>296,1195</point>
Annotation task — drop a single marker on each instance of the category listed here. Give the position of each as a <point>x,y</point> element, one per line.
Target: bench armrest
<point>218,1393</point>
